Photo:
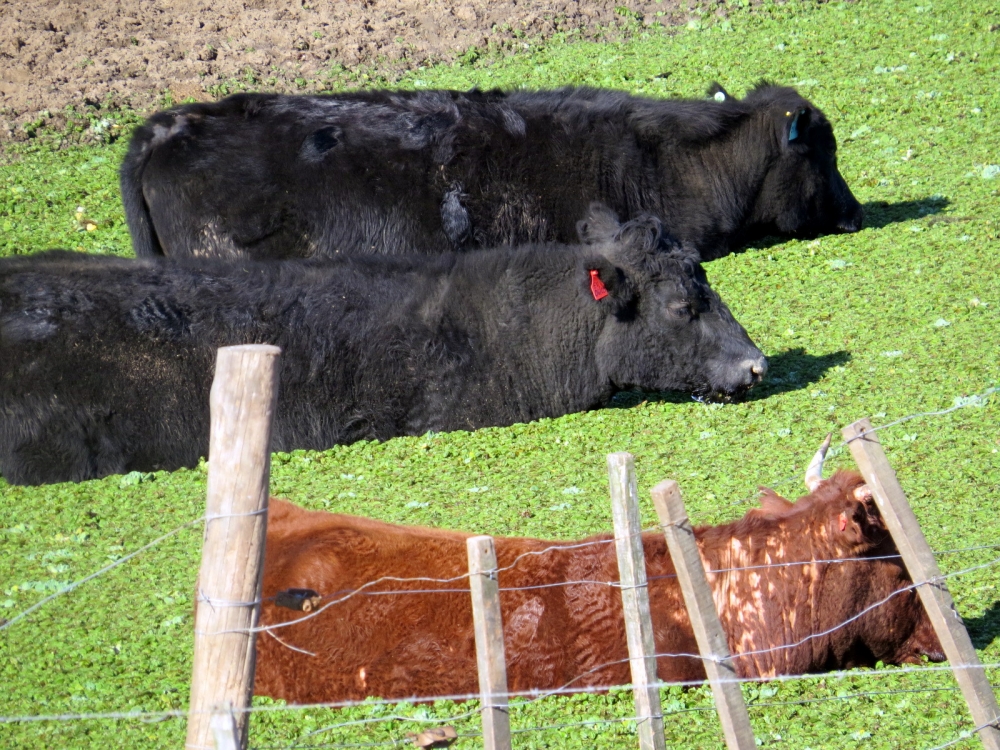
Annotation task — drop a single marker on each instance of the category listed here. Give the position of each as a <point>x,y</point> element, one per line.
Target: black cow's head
<point>665,328</point>
<point>802,193</point>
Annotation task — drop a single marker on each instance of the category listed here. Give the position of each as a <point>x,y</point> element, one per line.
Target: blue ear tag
<point>793,132</point>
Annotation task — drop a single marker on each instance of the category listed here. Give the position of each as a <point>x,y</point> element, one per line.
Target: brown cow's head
<point>837,520</point>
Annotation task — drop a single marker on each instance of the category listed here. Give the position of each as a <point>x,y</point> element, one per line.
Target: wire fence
<point>452,585</point>
<point>976,400</point>
<point>528,696</point>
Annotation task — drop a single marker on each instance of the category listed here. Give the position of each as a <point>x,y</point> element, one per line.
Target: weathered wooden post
<point>489,642</point>
<point>242,401</point>
<point>920,562</point>
<point>635,600</point>
<point>704,616</point>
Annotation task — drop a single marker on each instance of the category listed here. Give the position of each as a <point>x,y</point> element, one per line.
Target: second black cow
<point>106,363</point>
<point>266,176</point>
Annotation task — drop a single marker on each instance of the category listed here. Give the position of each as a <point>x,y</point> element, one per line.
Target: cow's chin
<point>915,654</point>
<point>706,393</point>
<point>715,395</point>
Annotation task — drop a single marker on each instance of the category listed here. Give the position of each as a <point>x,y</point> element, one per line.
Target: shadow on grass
<point>795,369</point>
<point>790,370</point>
<point>985,629</point>
<point>878,214</point>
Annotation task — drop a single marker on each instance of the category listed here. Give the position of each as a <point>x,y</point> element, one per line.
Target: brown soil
<point>132,52</point>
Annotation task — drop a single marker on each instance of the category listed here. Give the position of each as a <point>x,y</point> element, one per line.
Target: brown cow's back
<point>562,614</point>
<point>400,645</point>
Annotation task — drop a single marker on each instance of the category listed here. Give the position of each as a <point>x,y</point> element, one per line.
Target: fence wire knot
<point>212,602</point>
<point>217,516</point>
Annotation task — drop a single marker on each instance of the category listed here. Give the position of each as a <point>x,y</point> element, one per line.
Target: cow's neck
<point>767,589</point>
<point>708,195</point>
<point>535,346</point>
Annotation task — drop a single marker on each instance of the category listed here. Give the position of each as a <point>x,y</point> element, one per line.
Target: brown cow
<point>422,644</point>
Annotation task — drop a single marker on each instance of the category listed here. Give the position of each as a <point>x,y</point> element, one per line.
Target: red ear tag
<point>597,287</point>
<point>843,521</point>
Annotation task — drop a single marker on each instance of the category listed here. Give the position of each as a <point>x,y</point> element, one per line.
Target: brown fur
<point>404,645</point>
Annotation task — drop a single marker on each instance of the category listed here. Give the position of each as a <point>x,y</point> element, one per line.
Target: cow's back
<point>397,645</point>
<point>562,615</point>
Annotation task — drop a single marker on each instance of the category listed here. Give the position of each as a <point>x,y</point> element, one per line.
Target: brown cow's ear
<point>851,525</point>
<point>772,503</point>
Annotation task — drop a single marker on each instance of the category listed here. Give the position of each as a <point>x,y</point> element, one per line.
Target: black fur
<point>268,176</point>
<point>106,363</point>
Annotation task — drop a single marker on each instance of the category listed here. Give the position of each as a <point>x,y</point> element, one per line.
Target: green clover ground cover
<point>899,318</point>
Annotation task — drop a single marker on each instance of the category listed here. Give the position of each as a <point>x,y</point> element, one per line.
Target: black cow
<point>268,176</point>
<point>106,363</point>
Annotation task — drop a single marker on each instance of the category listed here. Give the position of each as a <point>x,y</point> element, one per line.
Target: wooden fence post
<point>920,562</point>
<point>704,616</point>
<point>489,642</point>
<point>242,402</point>
<point>635,600</point>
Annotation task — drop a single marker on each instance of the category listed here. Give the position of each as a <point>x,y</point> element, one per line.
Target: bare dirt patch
<point>54,53</point>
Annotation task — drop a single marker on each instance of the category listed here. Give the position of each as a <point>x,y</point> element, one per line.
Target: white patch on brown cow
<point>362,677</point>
<point>523,624</point>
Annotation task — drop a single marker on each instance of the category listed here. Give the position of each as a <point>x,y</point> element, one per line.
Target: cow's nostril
<point>752,370</point>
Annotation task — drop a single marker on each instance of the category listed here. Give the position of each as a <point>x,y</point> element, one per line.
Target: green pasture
<point>903,317</point>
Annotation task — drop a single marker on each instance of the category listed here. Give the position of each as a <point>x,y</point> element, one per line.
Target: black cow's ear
<point>644,233</point>
<point>715,91</point>
<point>599,225</point>
<point>606,284</point>
<point>796,124</point>
<point>317,143</point>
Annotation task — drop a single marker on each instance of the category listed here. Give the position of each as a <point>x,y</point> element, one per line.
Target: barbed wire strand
<point>967,734</point>
<point>806,639</point>
<point>617,584</point>
<point>976,400</point>
<point>564,688</point>
<point>666,713</point>
<point>780,647</point>
<point>102,571</point>
<point>979,399</point>
<point>529,695</point>
<point>855,617</point>
<point>397,579</point>
<point>591,722</point>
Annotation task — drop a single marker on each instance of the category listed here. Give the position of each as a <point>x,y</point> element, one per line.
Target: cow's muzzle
<point>740,379</point>
<point>852,220</point>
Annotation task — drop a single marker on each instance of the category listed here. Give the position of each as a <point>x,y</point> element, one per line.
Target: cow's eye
<point>679,310</point>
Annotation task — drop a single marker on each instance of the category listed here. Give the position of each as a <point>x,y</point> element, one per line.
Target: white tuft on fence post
<point>242,402</point>
<point>704,616</point>
<point>224,731</point>
<point>489,642</point>
<point>635,600</point>
<point>923,569</point>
